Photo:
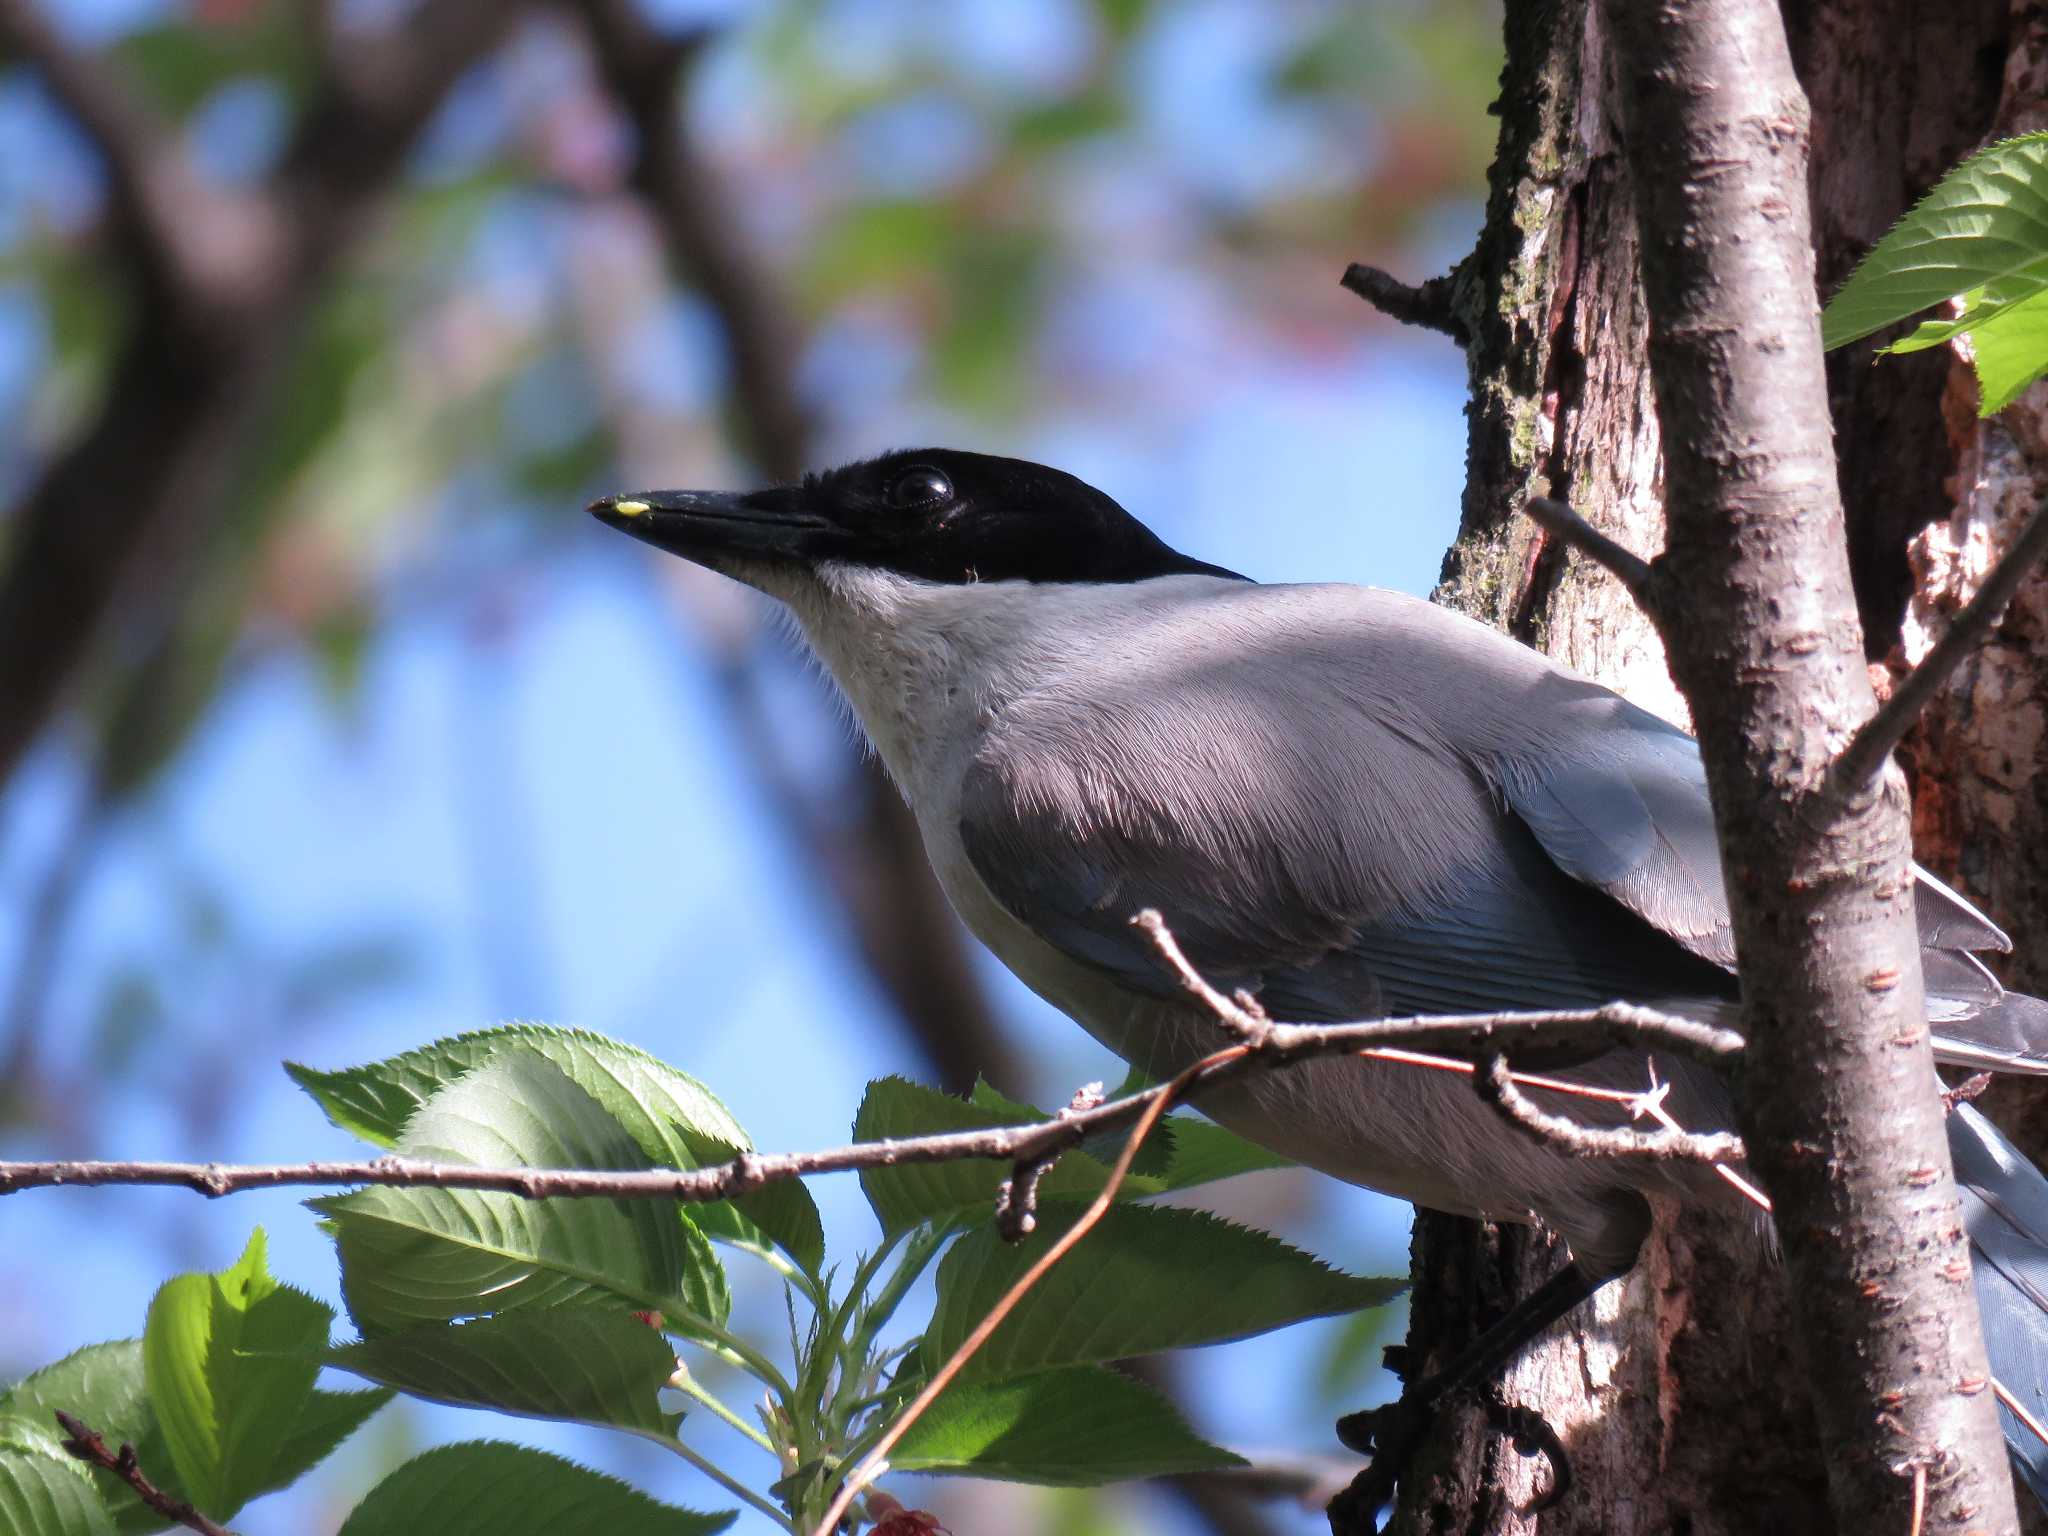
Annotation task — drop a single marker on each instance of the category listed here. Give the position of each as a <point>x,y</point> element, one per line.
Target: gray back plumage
<point>1355,803</point>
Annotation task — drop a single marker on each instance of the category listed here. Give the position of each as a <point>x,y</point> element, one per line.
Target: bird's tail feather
<point>1983,1027</point>
<point>2005,1207</point>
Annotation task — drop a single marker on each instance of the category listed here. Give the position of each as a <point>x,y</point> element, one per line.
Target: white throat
<point>928,666</point>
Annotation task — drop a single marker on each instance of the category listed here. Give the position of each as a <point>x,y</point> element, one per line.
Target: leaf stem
<point>686,1382</point>
<point>726,1480</point>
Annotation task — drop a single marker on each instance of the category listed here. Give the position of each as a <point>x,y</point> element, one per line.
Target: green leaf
<point>2011,351</point>
<point>102,1384</point>
<point>592,1365</point>
<point>952,1193</point>
<point>1984,225</point>
<point>1203,1152</point>
<point>1193,1150</point>
<point>329,1419</point>
<point>962,1192</point>
<point>1073,1428</point>
<point>1125,1290</point>
<point>487,1488</point>
<point>676,1120</point>
<point>44,1492</point>
<point>662,1108</point>
<point>412,1256</point>
<point>229,1358</point>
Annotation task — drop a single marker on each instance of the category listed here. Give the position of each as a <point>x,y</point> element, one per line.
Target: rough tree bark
<point>1753,598</point>
<point>1676,1392</point>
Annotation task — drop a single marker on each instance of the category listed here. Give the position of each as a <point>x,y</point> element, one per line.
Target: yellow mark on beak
<point>630,508</point>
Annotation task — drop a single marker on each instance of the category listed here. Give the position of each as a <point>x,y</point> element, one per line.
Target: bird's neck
<point>929,666</point>
<point>923,664</point>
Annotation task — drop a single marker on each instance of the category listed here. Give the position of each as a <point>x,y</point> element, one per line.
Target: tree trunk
<point>1676,1391</point>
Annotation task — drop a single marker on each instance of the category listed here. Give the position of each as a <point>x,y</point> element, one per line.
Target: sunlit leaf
<point>412,1256</point>
<point>228,1359</point>
<point>1071,1428</point>
<point>1126,1289</point>
<point>949,1193</point>
<point>43,1492</point>
<point>1983,226</point>
<point>595,1365</point>
<point>962,1192</point>
<point>676,1120</point>
<point>102,1385</point>
<point>2011,351</point>
<point>486,1488</point>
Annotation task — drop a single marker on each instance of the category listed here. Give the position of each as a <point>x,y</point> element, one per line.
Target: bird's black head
<point>933,513</point>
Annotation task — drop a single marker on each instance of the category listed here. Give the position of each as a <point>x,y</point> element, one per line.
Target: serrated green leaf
<point>1204,1152</point>
<point>658,1105</point>
<point>953,1193</point>
<point>1984,225</point>
<point>2010,351</point>
<point>48,1495</point>
<point>487,1488</point>
<point>412,1256</point>
<point>102,1384</point>
<point>588,1364</point>
<point>1124,1290</point>
<point>227,1359</point>
<point>961,1193</point>
<point>329,1418</point>
<point>676,1120</point>
<point>1074,1428</point>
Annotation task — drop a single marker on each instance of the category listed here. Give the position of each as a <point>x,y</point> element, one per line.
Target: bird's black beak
<point>704,525</point>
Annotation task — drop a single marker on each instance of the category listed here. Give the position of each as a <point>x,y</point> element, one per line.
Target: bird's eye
<point>921,487</point>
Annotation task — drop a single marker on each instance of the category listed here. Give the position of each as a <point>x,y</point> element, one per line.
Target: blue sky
<point>535,802</point>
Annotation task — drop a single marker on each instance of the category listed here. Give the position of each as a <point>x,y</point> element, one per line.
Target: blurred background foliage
<point>378,738</point>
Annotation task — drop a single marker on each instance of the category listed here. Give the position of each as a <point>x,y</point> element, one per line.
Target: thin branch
<point>1253,1028</point>
<point>1017,1196</point>
<point>1623,564</point>
<point>876,1460</point>
<point>1495,1083</point>
<point>1862,759</point>
<point>1617,1023</point>
<point>1432,305</point>
<point>85,1443</point>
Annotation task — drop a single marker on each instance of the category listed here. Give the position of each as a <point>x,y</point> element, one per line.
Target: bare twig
<point>1251,1028</point>
<point>1623,564</point>
<point>1969,1088</point>
<point>1865,754</point>
<point>1496,1085</point>
<point>1619,1023</point>
<point>872,1464</point>
<point>1432,305</point>
<point>86,1444</point>
<point>1017,1196</point>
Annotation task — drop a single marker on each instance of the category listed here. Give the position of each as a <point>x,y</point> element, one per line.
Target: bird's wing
<point>1386,809</point>
<point>1621,803</point>
<point>1300,843</point>
<point>1623,807</point>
